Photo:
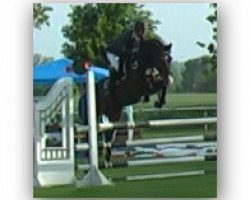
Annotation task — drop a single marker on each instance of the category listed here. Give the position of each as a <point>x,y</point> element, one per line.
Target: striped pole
<point>154,141</point>
<point>157,161</point>
<point>165,160</point>
<point>160,176</point>
<point>187,141</point>
<point>150,124</point>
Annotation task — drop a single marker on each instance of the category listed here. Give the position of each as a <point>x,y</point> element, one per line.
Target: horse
<point>141,80</point>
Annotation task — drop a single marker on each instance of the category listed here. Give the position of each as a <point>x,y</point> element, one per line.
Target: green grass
<point>203,186</point>
<point>180,131</point>
<point>184,99</point>
<point>186,187</point>
<point>192,99</point>
<point>178,100</point>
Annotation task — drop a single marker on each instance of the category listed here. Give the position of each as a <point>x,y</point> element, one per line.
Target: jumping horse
<point>147,74</point>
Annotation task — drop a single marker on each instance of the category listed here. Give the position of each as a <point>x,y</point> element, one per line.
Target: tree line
<point>91,25</point>
<point>194,76</point>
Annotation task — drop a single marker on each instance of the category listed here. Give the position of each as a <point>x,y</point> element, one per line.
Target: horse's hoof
<point>146,99</point>
<point>106,164</point>
<point>110,164</point>
<point>157,105</point>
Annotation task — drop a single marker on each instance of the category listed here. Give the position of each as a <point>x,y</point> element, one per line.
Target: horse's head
<point>167,52</point>
<point>156,54</point>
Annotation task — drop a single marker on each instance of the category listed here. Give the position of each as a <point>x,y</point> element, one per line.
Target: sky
<point>182,24</point>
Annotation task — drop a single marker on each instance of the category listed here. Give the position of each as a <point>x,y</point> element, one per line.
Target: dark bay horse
<point>141,80</point>
<point>147,74</point>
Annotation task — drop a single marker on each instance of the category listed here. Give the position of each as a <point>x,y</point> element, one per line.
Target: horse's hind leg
<point>108,156</point>
<point>109,136</point>
<point>146,98</point>
<point>106,150</point>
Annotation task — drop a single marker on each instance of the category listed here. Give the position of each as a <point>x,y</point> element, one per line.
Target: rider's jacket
<point>124,44</point>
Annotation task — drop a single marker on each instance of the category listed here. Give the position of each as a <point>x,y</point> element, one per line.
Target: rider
<point>124,48</point>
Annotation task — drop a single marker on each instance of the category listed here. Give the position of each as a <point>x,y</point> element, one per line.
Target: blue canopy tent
<point>51,71</point>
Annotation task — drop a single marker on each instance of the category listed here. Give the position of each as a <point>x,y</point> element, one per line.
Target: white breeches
<point>114,60</point>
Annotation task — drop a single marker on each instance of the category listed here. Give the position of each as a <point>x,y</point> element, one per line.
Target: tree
<point>195,79</point>
<point>39,59</point>
<point>212,47</point>
<point>40,16</point>
<point>177,70</point>
<point>91,25</point>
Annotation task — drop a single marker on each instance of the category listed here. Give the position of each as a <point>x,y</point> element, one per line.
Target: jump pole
<point>130,118</point>
<point>158,161</point>
<point>150,124</point>
<point>94,176</point>
<point>161,176</point>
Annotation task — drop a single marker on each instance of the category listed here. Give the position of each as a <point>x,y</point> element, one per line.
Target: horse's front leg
<point>107,147</point>
<point>110,135</point>
<point>162,93</point>
<point>161,97</point>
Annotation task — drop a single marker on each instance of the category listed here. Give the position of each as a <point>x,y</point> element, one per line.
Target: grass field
<point>188,187</point>
<point>204,186</point>
<point>184,99</point>
<point>178,131</point>
<point>179,100</point>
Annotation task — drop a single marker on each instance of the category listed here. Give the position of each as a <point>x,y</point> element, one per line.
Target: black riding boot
<point>113,79</point>
<point>121,72</point>
<point>146,98</point>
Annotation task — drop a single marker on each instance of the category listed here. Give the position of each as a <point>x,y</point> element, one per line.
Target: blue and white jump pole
<point>94,175</point>
<point>130,118</point>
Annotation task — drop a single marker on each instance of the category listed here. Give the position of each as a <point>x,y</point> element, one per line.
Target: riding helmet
<point>139,25</point>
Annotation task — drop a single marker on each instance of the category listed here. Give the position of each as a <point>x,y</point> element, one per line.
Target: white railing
<point>53,166</point>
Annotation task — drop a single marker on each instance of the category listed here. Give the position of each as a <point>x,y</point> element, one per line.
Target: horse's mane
<point>152,41</point>
<point>158,41</point>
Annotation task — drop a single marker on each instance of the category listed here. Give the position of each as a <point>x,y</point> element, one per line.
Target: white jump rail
<point>149,124</point>
<point>60,170</point>
<point>94,176</point>
<point>156,161</point>
<point>165,175</point>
